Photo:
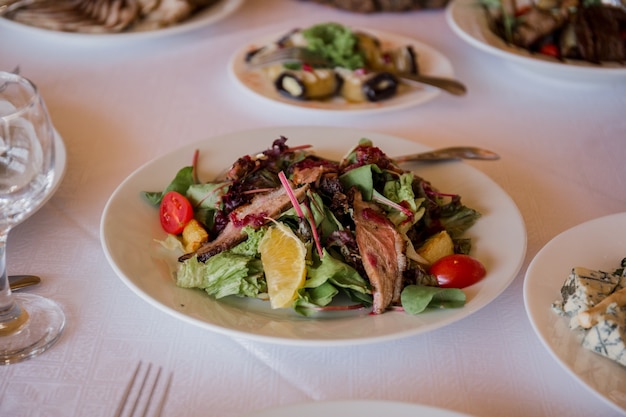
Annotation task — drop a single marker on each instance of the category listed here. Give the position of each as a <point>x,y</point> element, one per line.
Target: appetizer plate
<point>597,244</point>
<point>130,226</point>
<point>60,156</point>
<point>467,19</point>
<point>206,17</point>
<point>366,408</point>
<point>430,62</point>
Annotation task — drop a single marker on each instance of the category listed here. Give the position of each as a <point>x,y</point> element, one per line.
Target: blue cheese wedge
<point>606,324</point>
<point>583,289</point>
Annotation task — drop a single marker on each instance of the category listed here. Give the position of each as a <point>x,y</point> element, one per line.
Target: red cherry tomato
<point>457,271</point>
<point>175,212</point>
<point>523,10</point>
<point>550,49</point>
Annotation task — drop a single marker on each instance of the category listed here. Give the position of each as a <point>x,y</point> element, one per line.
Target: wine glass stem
<point>11,315</point>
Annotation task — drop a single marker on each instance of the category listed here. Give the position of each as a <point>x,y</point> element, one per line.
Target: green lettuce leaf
<point>361,177</point>
<point>224,274</point>
<point>337,272</point>
<point>415,298</point>
<point>181,182</point>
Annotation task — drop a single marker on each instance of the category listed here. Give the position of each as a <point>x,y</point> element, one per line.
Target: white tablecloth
<point>117,105</point>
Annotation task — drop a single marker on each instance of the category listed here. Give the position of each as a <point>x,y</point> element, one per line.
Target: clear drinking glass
<point>29,324</point>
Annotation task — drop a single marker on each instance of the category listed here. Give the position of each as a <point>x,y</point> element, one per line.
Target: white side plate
<point>597,244</point>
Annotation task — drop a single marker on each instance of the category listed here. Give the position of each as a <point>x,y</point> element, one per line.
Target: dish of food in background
<point>370,6</point>
<point>365,408</point>
<point>599,245</point>
<point>567,30</point>
<point>97,21</point>
<point>331,87</point>
<point>469,21</point>
<point>129,226</point>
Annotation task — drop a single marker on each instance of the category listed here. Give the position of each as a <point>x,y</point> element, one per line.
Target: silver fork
<point>289,54</point>
<point>299,54</point>
<point>135,391</point>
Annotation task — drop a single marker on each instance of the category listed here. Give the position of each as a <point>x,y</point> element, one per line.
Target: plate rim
<point>533,312</point>
<point>497,47</point>
<point>203,18</point>
<point>235,67</point>
<point>448,318</point>
<point>356,405</point>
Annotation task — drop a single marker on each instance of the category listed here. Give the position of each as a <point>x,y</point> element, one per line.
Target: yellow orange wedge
<point>283,258</point>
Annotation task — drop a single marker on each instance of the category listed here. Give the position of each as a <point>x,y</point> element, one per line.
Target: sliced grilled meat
<point>255,214</point>
<point>382,251</point>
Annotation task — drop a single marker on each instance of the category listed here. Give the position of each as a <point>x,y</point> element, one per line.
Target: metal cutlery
<point>299,54</point>
<point>17,282</point>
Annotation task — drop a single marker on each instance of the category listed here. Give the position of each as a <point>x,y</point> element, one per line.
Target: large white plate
<point>206,17</point>
<point>367,408</point>
<point>129,226</point>
<point>467,19</point>
<point>597,244</point>
<point>430,62</point>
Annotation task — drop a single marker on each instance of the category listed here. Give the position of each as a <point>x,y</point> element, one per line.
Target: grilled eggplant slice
<point>311,84</point>
<point>401,59</point>
<point>375,86</point>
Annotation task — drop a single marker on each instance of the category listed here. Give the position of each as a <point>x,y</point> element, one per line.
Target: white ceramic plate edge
<point>505,265</point>
<point>436,62</point>
<point>469,23</point>
<point>559,255</point>
<point>211,15</point>
<point>361,408</point>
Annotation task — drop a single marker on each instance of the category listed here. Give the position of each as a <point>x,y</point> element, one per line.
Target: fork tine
<point>275,56</point>
<point>159,410</point>
<point>288,54</point>
<point>145,383</point>
<point>122,403</point>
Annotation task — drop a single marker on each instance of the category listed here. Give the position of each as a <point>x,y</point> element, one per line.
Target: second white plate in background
<point>430,62</point>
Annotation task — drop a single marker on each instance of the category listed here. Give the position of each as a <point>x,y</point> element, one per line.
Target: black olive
<point>291,86</point>
<point>380,87</point>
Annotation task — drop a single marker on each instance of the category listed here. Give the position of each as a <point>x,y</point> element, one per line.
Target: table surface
<point>118,105</point>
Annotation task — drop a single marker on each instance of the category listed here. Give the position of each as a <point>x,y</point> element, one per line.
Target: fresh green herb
<point>335,42</point>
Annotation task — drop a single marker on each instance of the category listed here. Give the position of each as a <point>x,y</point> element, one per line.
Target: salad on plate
<point>314,234</point>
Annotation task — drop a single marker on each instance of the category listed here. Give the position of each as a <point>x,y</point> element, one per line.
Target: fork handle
<point>447,84</point>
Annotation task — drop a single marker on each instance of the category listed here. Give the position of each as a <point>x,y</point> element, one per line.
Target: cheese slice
<point>597,313</point>
<point>583,289</point>
<point>608,334</point>
<point>595,302</point>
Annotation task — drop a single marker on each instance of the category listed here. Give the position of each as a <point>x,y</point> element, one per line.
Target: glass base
<point>42,329</point>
